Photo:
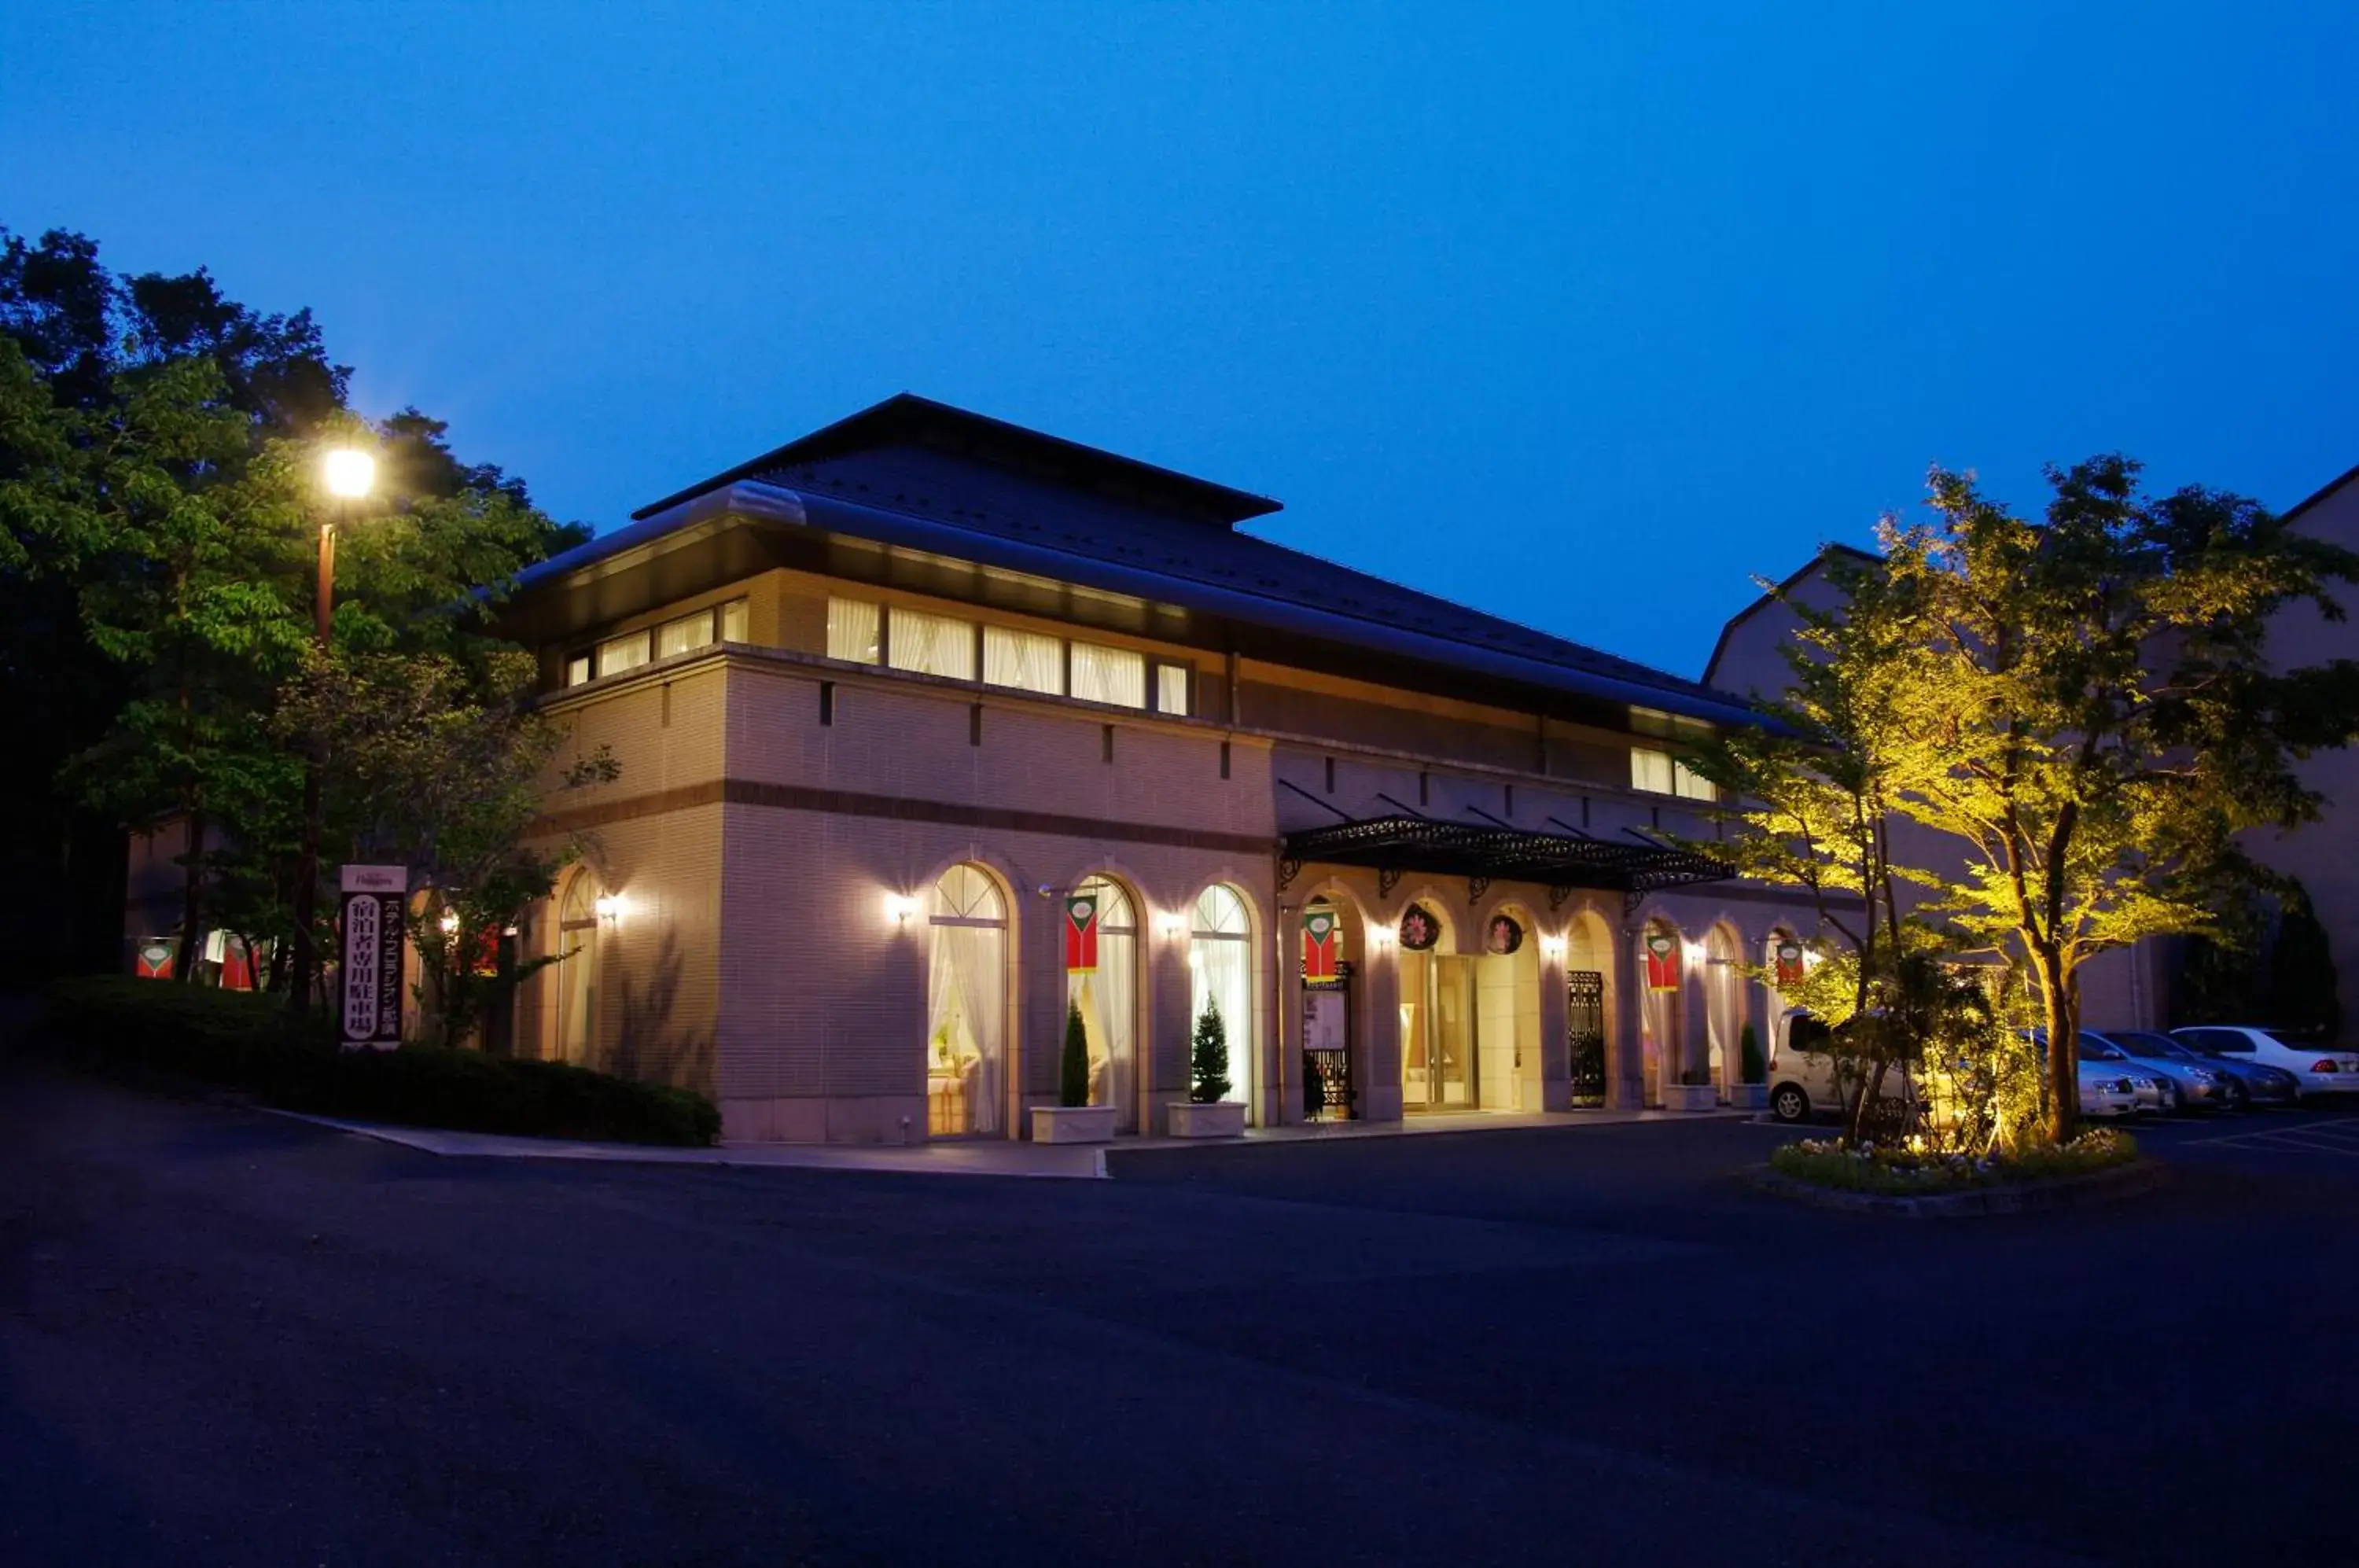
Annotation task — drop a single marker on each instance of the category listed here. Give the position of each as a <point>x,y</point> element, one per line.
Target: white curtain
<point>932,645</point>
<point>684,634</point>
<point>1220,971</point>
<point>1112,675</point>
<point>852,630</point>
<point>1109,1003</point>
<point>967,1015</point>
<point>1025,661</point>
<point>1723,1009</point>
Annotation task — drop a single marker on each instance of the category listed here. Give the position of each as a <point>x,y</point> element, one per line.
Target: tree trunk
<point>192,930</point>
<point>2064,1012</point>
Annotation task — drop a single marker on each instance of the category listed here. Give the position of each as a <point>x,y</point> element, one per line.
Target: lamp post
<point>347,475</point>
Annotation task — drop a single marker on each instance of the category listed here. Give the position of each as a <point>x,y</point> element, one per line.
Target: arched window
<point>966,1014</point>
<point>577,971</point>
<point>1108,999</point>
<point>1662,975</point>
<point>1219,978</point>
<point>1724,1001</point>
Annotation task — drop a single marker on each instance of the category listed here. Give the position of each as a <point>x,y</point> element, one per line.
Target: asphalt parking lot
<point>228,1338</point>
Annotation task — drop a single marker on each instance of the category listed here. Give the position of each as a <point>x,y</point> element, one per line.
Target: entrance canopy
<point>1395,845</point>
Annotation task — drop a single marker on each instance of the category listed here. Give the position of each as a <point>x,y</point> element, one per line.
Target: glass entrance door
<point>1438,1041</point>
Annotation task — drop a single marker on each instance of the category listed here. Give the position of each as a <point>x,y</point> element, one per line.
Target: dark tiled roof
<point>981,489</point>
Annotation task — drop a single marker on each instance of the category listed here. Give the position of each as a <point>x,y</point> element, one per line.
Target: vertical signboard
<point>369,978</point>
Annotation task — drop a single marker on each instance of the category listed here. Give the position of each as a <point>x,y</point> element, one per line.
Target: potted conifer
<point>1693,1091</point>
<point>1753,1094</point>
<point>1073,1119</point>
<point>1206,1112</point>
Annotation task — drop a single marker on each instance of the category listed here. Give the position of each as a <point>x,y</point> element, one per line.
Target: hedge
<point>251,1043</point>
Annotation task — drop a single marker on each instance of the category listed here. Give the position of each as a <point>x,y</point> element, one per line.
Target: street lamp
<point>348,474</point>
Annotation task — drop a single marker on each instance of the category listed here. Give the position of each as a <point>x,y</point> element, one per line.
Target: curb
<point>2098,1187</point>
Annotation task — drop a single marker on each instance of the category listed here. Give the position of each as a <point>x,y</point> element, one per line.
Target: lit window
<point>933,645</point>
<point>851,627</point>
<point>1650,771</point>
<point>684,634</point>
<point>1171,689</point>
<point>1695,786</point>
<point>1650,721</point>
<point>1025,661</point>
<point>733,621</point>
<point>1110,675</point>
<point>620,653</point>
<point>577,669</point>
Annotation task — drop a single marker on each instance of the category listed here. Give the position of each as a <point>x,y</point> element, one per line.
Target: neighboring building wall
<point>2321,853</point>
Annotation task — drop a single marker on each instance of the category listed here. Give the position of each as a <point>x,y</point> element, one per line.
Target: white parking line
<point>2312,1137</point>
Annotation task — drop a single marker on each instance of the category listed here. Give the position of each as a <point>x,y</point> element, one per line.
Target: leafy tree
<point>1208,1057</point>
<point>2092,718</point>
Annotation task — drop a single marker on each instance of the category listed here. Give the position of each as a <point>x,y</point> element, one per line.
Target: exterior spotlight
<point>349,473</point>
<point>900,907</point>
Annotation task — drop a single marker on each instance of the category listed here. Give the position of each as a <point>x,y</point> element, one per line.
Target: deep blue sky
<point>1583,314</point>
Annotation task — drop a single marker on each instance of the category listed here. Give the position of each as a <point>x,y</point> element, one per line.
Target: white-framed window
<point>852,626</point>
<point>1112,675</point>
<point>685,635</point>
<point>733,621</point>
<point>1027,662</point>
<point>1650,771</point>
<point>932,645</point>
<point>625,652</point>
<point>577,669</point>
<point>1171,689</point>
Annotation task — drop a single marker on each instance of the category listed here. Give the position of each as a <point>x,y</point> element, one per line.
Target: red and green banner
<point>1081,933</point>
<point>155,959</point>
<point>1321,940</point>
<point>1662,962</point>
<point>1789,963</point>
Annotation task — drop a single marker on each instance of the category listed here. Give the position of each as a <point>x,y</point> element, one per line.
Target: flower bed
<point>1905,1172</point>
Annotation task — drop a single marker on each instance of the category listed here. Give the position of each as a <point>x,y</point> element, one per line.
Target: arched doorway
<point>1508,1013</point>
<point>1220,979</point>
<point>1589,1007</point>
<point>1108,999</point>
<point>966,1005</point>
<point>577,972</point>
<point>1440,1069</point>
<point>1663,1020</point>
<point>1723,1002</point>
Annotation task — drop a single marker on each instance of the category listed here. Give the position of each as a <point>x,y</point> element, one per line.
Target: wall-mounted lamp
<point>1694,950</point>
<point>900,907</point>
<point>1381,937</point>
<point>609,907</point>
<point>1170,925</point>
<point>450,923</point>
<point>1552,947</point>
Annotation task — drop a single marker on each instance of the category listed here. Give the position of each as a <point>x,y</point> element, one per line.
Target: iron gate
<point>1585,1030</point>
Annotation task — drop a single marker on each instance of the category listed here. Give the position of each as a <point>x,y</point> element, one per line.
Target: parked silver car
<point>2247,1084</point>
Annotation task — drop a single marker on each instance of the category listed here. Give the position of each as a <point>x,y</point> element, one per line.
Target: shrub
<point>1208,1058</point>
<point>251,1042</point>
<point>1073,1072</point>
<point>1879,1168</point>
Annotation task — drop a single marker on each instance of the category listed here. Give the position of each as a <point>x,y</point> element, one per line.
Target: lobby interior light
<point>348,472</point>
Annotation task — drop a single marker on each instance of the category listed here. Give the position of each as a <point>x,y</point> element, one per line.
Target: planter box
<point>1073,1124</point>
<point>1691,1097</point>
<point>1750,1096</point>
<point>1221,1118</point>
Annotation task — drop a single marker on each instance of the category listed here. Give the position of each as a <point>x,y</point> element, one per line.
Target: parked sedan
<point>2249,1082</point>
<point>2318,1070</point>
<point>2111,1084</point>
<point>2193,1083</point>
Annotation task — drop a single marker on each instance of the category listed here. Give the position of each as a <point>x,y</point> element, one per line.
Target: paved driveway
<point>233,1339</point>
